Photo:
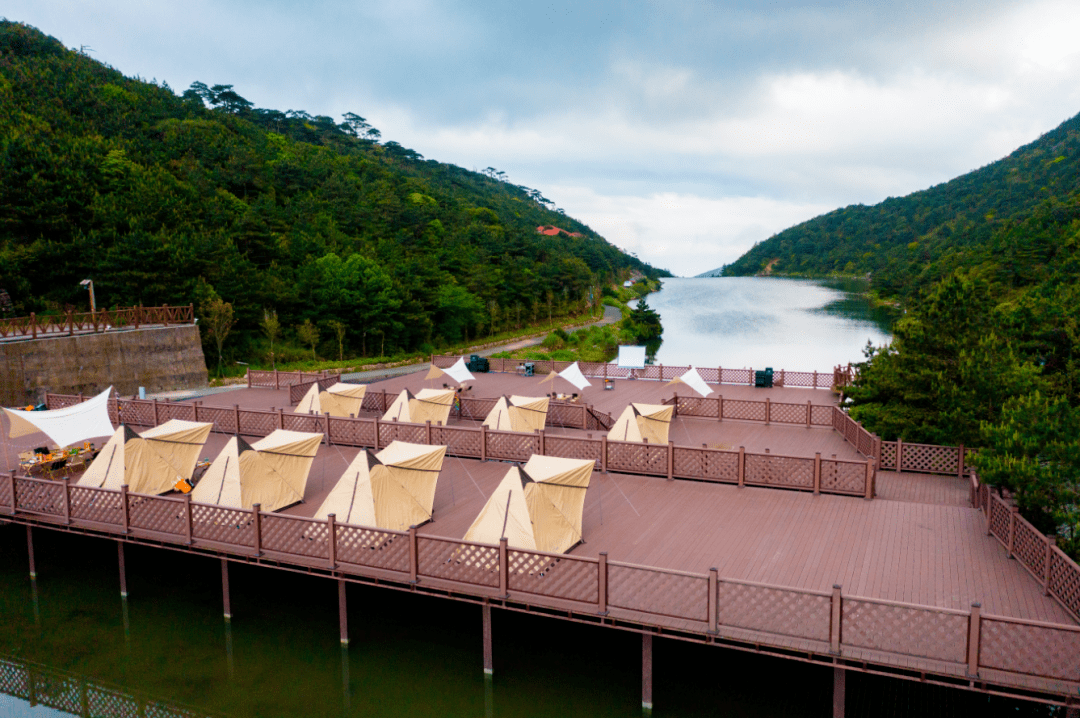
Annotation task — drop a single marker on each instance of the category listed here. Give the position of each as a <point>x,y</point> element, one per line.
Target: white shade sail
<point>693,380</point>
<point>572,374</point>
<point>67,426</point>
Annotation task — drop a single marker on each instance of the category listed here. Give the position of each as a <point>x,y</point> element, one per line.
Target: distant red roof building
<point>551,230</point>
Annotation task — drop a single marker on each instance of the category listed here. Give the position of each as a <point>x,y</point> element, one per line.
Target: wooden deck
<point>923,488</point>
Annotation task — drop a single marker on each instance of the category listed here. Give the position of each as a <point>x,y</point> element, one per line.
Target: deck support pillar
<point>1072,712</point>
<point>123,569</point>
<point>839,687</point>
<point>646,673</point>
<point>488,668</point>
<point>343,612</point>
<point>226,599</point>
<point>30,551</point>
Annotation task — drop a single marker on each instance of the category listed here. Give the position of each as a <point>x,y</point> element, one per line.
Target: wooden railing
<point>277,379</point>
<point>964,645</point>
<point>104,320</point>
<point>297,391</point>
<point>924,458</point>
<point>660,372</point>
<point>1058,574</point>
<point>829,476</point>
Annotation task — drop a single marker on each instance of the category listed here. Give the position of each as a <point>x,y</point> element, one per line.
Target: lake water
<point>758,322</point>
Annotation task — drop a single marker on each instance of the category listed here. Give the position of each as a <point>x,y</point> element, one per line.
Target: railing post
<point>714,601</point>
<point>1050,542</point>
<point>326,421</point>
<point>414,561</point>
<point>719,407</point>
<point>427,434</point>
<point>869,480</point>
<point>603,453</point>
<point>165,313</point>
<point>156,419</point>
<point>256,524</point>
<point>742,466</point>
<point>817,473</point>
<point>1012,530</point>
<point>483,442</point>
<point>751,376</point>
<point>671,461</point>
<point>601,585</point>
<point>974,625</point>
<point>899,454</point>
<point>543,444</point>
<point>125,514</point>
<point>71,323</point>
<point>815,380</point>
<point>808,409</point>
<point>504,568</point>
<point>377,433</point>
<point>188,523</point>
<point>67,500</point>
<point>331,540</point>
<point>277,380</point>
<point>11,483</point>
<point>768,410</point>
<point>989,511</point>
<point>33,325</point>
<point>248,377</point>
<point>960,462</point>
<point>280,418</point>
<point>837,617</point>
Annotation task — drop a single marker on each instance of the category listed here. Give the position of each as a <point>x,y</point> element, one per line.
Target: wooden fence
<point>1058,574</point>
<point>297,391</point>
<point>924,458</point>
<point>965,645</point>
<point>829,476</point>
<point>658,372</point>
<point>277,379</point>
<point>103,320</point>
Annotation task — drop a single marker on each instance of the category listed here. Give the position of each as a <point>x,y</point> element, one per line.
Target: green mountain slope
<point>173,199</point>
<point>908,242</point>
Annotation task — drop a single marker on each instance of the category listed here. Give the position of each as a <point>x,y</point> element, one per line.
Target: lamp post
<point>89,284</point>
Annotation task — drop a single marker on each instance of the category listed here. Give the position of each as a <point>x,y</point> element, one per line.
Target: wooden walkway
<point>923,488</point>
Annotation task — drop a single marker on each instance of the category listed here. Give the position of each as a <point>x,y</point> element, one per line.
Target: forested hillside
<point>981,219</point>
<point>166,198</point>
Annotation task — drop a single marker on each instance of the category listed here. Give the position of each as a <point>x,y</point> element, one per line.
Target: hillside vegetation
<point>202,198</point>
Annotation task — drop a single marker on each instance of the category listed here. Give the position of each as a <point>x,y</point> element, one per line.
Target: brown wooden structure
<point>103,320</point>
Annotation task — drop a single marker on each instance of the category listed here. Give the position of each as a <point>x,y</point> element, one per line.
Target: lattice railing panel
<point>224,420</point>
<point>567,415</point>
<point>301,537</point>
<point>56,691</point>
<point>152,513</point>
<point>707,407</point>
<point>999,519</point>
<point>709,464</point>
<point>445,361</point>
<point>744,410</point>
<point>459,441</point>
<point>376,401</point>
<point>396,431</point>
<point>1065,580</point>
<point>659,592</point>
<point>799,378</point>
<point>843,477</point>
<point>569,448</point>
<point>371,547</point>
<point>469,563</point>
<point>912,631</point>
<point>596,420</point>
<point>821,415</point>
<point>309,423</point>
<point>352,432</point>
<point>510,446</point>
<point>1034,650</point>
<point>41,497</point>
<point>775,610</point>
<point>787,471</point>
<point>931,459</point>
<point>223,525</point>
<point>788,413</point>
<point>1029,546</point>
<point>634,458</point>
<point>5,492</point>
<point>14,679</point>
<point>563,577</point>
<point>888,456</point>
<point>176,410</point>
<point>60,401</point>
<point>476,409</point>
<point>137,413</point>
<point>110,704</point>
<point>101,506</point>
<point>737,376</point>
<point>257,423</point>
<point>710,375</point>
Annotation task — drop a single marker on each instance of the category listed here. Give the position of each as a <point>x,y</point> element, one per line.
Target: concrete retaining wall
<point>159,358</point>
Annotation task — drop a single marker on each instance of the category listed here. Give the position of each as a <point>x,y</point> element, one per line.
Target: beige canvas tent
<point>272,472</point>
<point>640,422</point>
<point>153,462</point>
<point>429,405</point>
<point>537,507</point>
<point>338,400</point>
<point>393,489</point>
<point>518,413</point>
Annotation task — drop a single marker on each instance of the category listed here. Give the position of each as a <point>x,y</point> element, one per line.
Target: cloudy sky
<point>682,131</point>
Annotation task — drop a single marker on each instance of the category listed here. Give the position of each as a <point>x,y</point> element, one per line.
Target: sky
<point>681,131</point>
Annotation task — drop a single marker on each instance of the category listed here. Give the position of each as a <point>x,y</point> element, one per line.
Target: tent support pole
<point>343,613</point>
<point>486,608</point>
<point>123,569</point>
<point>646,672</point>
<point>839,687</point>
<point>30,549</point>
<point>225,597</point>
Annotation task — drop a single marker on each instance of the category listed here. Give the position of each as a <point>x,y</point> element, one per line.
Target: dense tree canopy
<point>166,199</point>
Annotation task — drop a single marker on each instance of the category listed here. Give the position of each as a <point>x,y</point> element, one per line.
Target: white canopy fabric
<point>338,400</point>
<point>693,380</point>
<point>153,462</point>
<point>394,489</point>
<point>66,426</point>
<point>272,472</point>
<point>458,372</point>
<point>631,357</point>
<point>639,422</point>
<point>518,413</point>
<point>572,374</point>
